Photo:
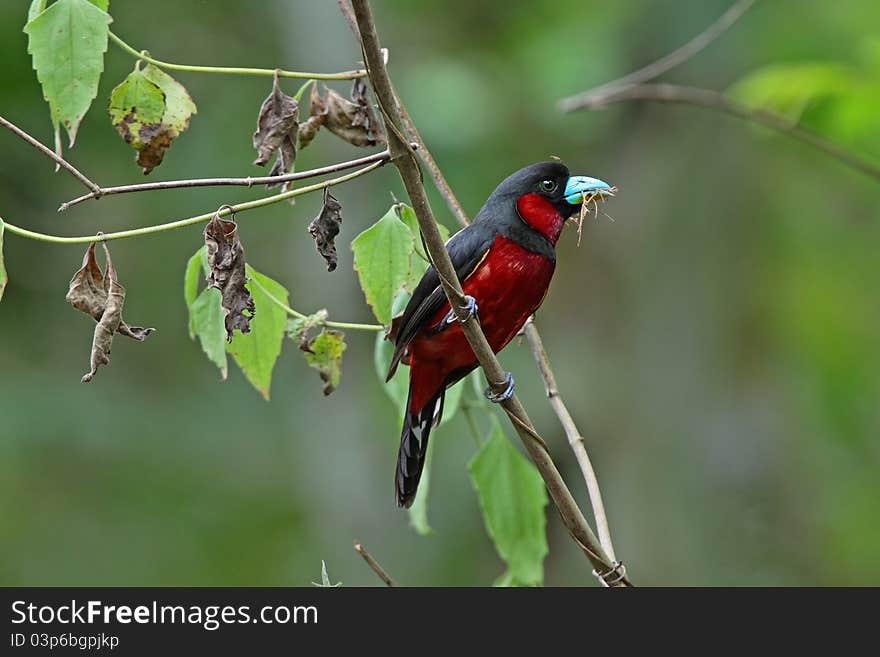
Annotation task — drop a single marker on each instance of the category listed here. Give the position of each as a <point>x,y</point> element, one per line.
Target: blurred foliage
<point>717,342</point>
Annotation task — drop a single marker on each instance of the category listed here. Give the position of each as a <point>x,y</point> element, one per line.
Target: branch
<point>664,64</point>
<point>410,174</point>
<point>266,72</point>
<point>372,563</point>
<point>216,182</point>
<point>227,210</point>
<point>671,93</point>
<point>575,439</point>
<point>60,161</point>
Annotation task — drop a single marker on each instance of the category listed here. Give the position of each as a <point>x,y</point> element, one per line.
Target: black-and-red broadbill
<point>504,260</point>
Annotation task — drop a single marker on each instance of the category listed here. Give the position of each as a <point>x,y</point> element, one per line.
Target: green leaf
<point>67,42</point>
<point>382,259</point>
<point>837,100</point>
<point>191,280</point>
<point>324,353</point>
<point>512,497</point>
<point>206,321</point>
<point>136,109</point>
<point>256,352</point>
<point>4,278</point>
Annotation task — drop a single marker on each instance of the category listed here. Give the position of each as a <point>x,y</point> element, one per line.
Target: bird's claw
<point>471,308</point>
<point>614,575</point>
<point>507,393</point>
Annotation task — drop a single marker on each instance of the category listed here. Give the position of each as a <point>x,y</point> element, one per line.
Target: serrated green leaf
<point>256,352</point>
<point>382,257</point>
<point>136,109</point>
<point>324,354</point>
<point>67,42</point>
<point>206,321</point>
<point>512,497</point>
<point>4,278</point>
<point>191,280</point>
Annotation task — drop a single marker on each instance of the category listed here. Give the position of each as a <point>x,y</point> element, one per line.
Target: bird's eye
<point>548,186</point>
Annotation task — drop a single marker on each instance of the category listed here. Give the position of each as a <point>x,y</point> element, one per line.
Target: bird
<point>504,260</point>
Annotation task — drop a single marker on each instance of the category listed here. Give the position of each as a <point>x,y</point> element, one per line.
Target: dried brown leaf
<point>277,129</point>
<point>227,264</point>
<point>317,115</point>
<point>102,297</point>
<point>352,120</point>
<point>325,227</point>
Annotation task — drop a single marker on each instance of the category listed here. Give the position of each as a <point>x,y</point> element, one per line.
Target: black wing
<point>466,249</point>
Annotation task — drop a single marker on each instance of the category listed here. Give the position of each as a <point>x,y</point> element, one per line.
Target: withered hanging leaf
<point>352,120</point>
<point>227,264</point>
<point>325,227</point>
<point>317,114</point>
<point>101,296</point>
<point>324,353</point>
<point>277,128</point>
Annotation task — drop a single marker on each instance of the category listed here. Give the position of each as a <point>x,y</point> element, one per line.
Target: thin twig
<point>229,209</point>
<point>410,174</point>
<point>434,171</point>
<point>373,564</point>
<point>671,93</point>
<point>664,64</point>
<point>266,72</point>
<point>575,438</point>
<point>48,152</point>
<point>216,182</point>
<point>298,315</point>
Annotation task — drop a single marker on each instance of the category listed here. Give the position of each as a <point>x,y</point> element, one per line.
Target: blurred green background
<point>717,342</point>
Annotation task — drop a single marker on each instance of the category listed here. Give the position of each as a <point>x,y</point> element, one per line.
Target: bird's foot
<point>471,308</point>
<point>507,393</point>
<point>614,575</point>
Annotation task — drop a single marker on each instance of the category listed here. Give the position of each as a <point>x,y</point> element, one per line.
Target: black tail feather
<point>414,448</point>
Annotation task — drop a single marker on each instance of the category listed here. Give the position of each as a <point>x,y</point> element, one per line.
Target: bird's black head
<point>542,195</point>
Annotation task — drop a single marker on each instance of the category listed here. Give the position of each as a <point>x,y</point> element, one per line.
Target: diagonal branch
<point>664,64</point>
<point>410,174</point>
<point>671,93</point>
<point>60,161</point>
<point>373,564</point>
<point>216,182</point>
<point>575,439</point>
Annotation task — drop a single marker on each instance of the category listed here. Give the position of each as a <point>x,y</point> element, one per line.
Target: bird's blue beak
<point>578,186</point>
